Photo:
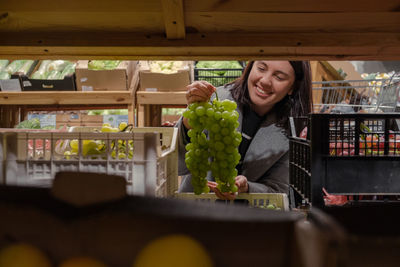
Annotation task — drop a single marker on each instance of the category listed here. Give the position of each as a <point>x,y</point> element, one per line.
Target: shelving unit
<point>15,105</point>
<point>149,105</point>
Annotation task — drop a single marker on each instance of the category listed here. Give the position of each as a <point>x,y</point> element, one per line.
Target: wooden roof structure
<point>201,29</point>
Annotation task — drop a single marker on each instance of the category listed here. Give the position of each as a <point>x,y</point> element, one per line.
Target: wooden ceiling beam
<point>173,19</point>
<point>312,46</point>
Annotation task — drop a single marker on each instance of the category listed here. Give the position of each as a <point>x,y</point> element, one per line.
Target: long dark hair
<point>296,105</point>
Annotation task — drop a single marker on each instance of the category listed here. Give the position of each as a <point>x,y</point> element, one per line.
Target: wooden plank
<point>82,6</point>
<point>65,98</point>
<point>311,46</point>
<point>173,18</point>
<point>292,6</point>
<point>174,22</point>
<point>150,22</point>
<point>140,115</point>
<point>131,113</point>
<point>159,98</point>
<point>334,22</point>
<point>206,5</point>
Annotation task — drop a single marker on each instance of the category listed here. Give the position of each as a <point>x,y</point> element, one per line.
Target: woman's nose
<point>266,80</point>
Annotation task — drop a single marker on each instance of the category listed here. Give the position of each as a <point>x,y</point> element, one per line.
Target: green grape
<point>200,111</point>
<point>215,128</point>
<point>217,115</point>
<point>226,115</point>
<point>224,131</point>
<point>219,146</point>
<point>210,112</point>
<point>227,140</point>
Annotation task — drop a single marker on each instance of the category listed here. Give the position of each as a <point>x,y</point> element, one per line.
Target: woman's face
<point>268,83</point>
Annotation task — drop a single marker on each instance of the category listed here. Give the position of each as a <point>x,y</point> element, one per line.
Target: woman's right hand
<point>199,91</point>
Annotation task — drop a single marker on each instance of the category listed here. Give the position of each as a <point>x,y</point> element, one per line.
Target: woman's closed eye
<point>279,77</point>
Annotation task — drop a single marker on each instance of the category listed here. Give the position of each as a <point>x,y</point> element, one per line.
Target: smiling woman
<point>266,94</point>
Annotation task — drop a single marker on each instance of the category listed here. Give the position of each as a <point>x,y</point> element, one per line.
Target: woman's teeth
<point>261,91</point>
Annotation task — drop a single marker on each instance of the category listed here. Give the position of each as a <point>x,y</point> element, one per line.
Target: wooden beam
<point>292,6</point>
<point>206,6</point>
<point>84,6</point>
<point>62,21</point>
<point>203,22</point>
<point>311,46</point>
<point>160,98</point>
<point>66,98</point>
<point>332,22</point>
<point>173,18</point>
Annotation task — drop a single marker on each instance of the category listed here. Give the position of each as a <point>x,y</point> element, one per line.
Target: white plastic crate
<point>33,158</point>
<point>254,199</point>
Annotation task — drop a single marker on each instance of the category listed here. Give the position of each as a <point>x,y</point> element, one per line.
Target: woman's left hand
<point>240,182</point>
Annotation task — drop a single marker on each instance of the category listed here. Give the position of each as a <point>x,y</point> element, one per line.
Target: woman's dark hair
<point>296,105</point>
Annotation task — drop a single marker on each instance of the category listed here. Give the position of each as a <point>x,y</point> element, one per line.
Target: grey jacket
<point>266,163</point>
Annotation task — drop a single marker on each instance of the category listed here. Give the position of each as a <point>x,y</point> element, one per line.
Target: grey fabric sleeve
<point>275,180</point>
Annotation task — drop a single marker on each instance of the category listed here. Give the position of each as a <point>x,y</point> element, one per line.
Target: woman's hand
<point>240,182</point>
<point>199,91</point>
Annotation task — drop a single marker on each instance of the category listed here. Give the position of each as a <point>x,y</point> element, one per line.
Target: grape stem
<point>216,95</point>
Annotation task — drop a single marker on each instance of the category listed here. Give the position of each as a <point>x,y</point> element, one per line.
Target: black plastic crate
<point>218,77</point>
<point>347,154</point>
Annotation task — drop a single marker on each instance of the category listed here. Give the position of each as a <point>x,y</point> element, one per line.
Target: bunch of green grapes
<point>219,152</point>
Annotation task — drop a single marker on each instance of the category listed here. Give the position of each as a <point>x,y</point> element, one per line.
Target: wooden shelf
<point>66,98</point>
<point>15,105</point>
<point>149,105</point>
<point>160,98</point>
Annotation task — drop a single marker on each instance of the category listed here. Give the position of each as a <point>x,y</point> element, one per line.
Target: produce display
<point>103,64</point>
<point>270,207</point>
<point>219,151</point>
<point>119,149</point>
<point>370,144</point>
<point>16,66</point>
<point>54,70</point>
<point>166,67</point>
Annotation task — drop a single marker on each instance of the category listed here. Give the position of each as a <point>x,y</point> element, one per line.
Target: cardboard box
<point>66,84</point>
<point>119,79</point>
<point>14,84</point>
<point>161,82</point>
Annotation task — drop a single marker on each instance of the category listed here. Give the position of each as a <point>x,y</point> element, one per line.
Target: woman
<point>267,93</point>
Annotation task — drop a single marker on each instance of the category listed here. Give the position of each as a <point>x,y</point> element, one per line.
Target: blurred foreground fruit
<point>23,255</point>
<point>173,251</point>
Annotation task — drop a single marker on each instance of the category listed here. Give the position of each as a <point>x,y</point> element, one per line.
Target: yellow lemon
<point>74,144</point>
<point>89,147</point>
<point>82,262</point>
<point>173,251</point>
<point>23,255</point>
<point>122,125</point>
